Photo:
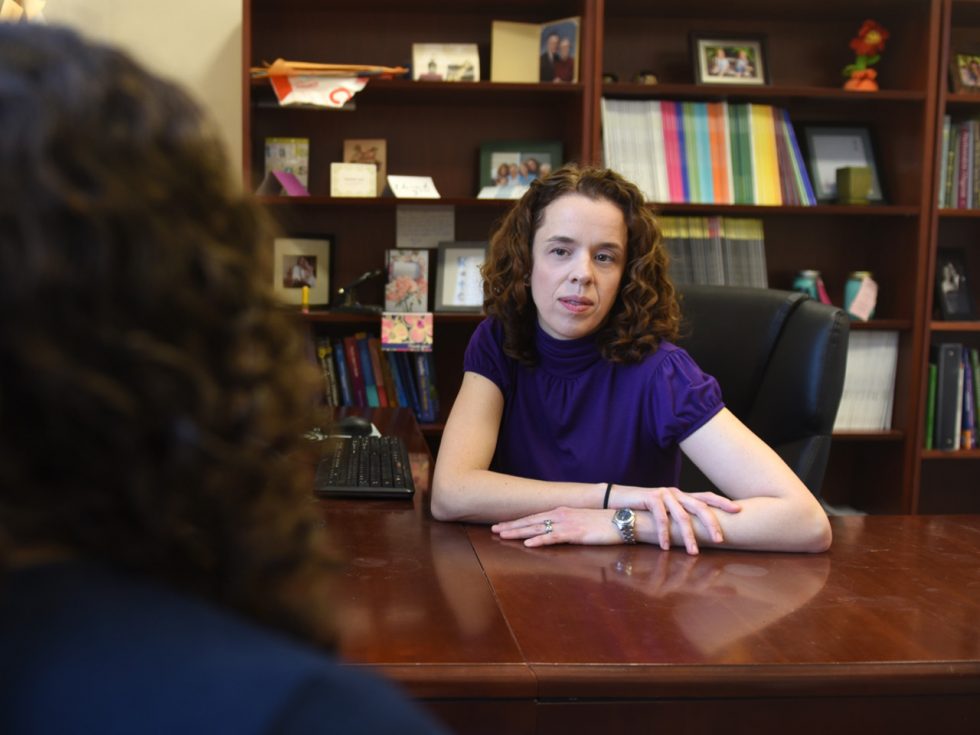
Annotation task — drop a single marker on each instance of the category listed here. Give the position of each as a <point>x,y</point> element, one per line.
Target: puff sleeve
<point>684,398</point>
<point>485,355</point>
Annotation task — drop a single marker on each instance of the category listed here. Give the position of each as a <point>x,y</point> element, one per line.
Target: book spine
<point>356,376</point>
<point>975,368</point>
<point>703,153</point>
<point>343,376</point>
<point>931,406</point>
<point>948,402</point>
<point>943,162</point>
<point>787,187</point>
<point>949,191</point>
<point>974,164</point>
<point>401,397</point>
<point>324,353</point>
<point>693,191</point>
<point>683,164</point>
<point>370,384</point>
<point>718,167</point>
<point>963,173</point>
<point>408,381</point>
<point>968,436</point>
<point>374,350</point>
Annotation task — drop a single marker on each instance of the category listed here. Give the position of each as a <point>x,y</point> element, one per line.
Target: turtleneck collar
<point>566,357</point>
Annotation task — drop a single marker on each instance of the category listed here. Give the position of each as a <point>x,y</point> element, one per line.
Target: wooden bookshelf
<point>436,129</point>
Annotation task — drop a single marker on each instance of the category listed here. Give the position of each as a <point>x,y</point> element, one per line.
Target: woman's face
<point>578,255</point>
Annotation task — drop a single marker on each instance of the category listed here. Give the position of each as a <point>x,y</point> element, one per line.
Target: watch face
<point>624,515</point>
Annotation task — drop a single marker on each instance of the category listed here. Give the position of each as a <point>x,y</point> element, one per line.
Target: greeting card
<point>406,332</point>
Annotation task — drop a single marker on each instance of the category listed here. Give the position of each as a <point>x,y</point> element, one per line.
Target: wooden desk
<point>881,633</point>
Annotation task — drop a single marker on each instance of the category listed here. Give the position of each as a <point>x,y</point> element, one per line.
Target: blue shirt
<point>85,649</point>
<point>578,417</point>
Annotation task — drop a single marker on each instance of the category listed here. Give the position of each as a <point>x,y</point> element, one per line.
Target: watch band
<point>625,520</point>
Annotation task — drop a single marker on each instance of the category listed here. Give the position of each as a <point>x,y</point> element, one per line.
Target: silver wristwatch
<point>625,520</point>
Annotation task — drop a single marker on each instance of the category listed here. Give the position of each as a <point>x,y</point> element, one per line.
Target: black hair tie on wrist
<point>605,500</point>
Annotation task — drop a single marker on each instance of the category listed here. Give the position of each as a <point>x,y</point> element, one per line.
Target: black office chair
<point>779,357</point>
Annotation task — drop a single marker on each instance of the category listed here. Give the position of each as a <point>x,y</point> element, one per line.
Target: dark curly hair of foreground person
<point>150,388</point>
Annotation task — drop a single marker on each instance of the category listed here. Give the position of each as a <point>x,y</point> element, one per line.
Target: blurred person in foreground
<point>161,569</point>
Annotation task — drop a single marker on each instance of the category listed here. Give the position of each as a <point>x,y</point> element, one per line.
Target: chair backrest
<point>779,358</point>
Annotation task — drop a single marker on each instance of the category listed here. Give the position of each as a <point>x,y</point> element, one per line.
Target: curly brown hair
<point>645,310</point>
<point>150,388</point>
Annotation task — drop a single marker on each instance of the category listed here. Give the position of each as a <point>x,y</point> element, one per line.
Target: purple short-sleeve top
<point>576,416</point>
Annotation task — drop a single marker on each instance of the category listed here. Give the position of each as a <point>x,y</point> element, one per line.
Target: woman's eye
<point>605,258</point>
<point>560,251</point>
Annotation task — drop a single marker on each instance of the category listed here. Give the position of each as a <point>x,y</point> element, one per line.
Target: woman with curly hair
<point>575,405</point>
<point>162,568</point>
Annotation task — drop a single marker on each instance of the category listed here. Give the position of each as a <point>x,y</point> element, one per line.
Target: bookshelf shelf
<point>973,326</point>
<point>767,94</point>
<point>382,203</point>
<point>957,454</point>
<point>869,436</point>
<point>819,210</point>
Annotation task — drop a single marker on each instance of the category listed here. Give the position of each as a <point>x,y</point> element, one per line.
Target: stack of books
<point>959,165</point>
<point>706,152</point>
<point>722,251</point>
<point>357,372</point>
<point>869,382</point>
<point>953,402</point>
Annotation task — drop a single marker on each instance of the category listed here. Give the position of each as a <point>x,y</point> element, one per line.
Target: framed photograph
<point>460,285</point>
<point>445,62</point>
<point>369,150</point>
<point>953,294</point>
<point>518,162</point>
<point>559,51</point>
<point>725,59</point>
<point>830,147</point>
<point>964,73</point>
<point>302,261</point>
<point>407,288</point>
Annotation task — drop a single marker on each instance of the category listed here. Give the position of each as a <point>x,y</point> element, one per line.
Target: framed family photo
<point>953,294</point>
<point>460,284</point>
<point>724,59</point>
<point>830,147</point>
<point>511,162</point>
<point>964,73</point>
<point>302,261</point>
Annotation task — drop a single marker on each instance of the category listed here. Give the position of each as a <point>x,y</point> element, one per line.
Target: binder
<point>949,389</point>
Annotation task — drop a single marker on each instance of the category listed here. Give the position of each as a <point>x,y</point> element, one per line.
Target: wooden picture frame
<point>830,147</point>
<point>721,58</point>
<point>964,73</point>
<point>953,295</point>
<point>299,261</point>
<point>459,283</point>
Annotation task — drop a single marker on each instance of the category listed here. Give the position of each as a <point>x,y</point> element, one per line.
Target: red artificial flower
<point>870,39</point>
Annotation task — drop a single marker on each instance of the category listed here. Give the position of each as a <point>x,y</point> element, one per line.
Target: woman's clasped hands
<point>663,515</point>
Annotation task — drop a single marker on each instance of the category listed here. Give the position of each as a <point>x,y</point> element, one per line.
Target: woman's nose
<point>581,270</point>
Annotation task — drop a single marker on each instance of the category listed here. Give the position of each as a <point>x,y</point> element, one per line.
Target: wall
<point>195,43</point>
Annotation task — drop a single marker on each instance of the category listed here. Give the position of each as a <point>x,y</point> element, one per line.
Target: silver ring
<point>549,526</point>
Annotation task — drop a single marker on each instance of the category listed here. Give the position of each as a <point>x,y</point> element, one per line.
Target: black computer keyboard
<point>365,467</point>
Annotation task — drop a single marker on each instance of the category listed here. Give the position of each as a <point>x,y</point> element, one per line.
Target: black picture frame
<point>954,298</point>
<point>495,153</point>
<point>459,283</point>
<point>731,59</point>
<point>829,147</point>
